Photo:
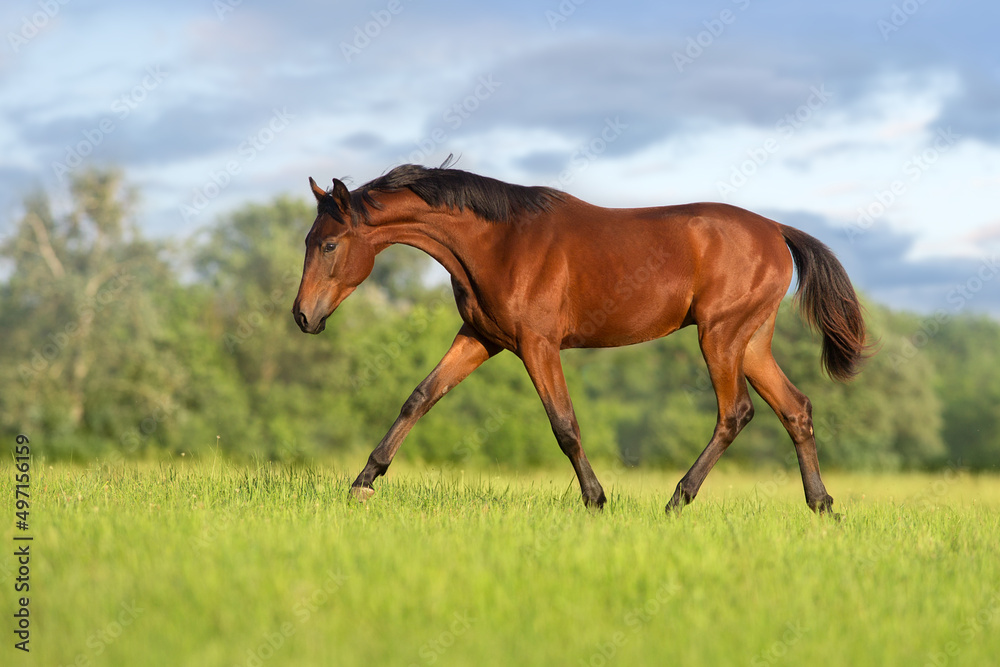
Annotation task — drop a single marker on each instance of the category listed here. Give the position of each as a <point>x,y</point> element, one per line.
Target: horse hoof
<point>362,493</point>
<point>594,507</point>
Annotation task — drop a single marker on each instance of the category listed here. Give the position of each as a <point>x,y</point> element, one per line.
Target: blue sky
<point>873,125</point>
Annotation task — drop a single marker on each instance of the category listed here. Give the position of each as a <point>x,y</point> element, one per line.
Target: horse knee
<point>413,407</point>
<point>746,412</point>
<point>739,416</point>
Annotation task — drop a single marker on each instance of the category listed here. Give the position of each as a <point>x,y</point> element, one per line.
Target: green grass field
<point>217,564</point>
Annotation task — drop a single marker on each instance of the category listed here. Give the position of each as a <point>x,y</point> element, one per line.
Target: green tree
<point>83,362</point>
<point>967,350</point>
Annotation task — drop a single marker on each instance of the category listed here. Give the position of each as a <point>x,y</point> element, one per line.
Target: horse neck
<point>447,236</point>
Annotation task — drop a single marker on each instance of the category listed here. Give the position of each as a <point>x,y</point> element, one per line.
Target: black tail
<point>827,300</point>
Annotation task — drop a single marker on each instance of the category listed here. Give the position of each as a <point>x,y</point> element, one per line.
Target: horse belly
<point>631,313</point>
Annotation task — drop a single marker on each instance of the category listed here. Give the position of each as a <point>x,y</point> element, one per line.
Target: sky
<point>872,125</point>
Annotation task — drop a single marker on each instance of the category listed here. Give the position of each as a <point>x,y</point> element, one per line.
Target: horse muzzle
<point>314,326</point>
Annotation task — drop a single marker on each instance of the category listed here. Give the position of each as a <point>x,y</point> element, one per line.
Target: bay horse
<point>535,271</point>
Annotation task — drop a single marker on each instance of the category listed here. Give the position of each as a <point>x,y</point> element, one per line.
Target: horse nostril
<point>301,320</point>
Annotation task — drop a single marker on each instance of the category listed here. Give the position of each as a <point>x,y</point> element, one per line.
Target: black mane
<point>443,187</point>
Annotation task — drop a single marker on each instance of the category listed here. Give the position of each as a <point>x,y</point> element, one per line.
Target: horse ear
<point>342,195</point>
<point>317,191</point>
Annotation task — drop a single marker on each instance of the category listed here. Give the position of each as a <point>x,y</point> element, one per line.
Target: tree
<point>82,358</point>
<point>968,349</point>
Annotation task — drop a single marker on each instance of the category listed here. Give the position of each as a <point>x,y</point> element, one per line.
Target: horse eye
<point>329,247</point>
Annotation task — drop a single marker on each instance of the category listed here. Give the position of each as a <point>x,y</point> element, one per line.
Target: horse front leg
<point>541,360</point>
<point>468,351</point>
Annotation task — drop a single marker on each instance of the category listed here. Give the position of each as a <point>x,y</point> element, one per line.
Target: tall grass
<point>217,564</point>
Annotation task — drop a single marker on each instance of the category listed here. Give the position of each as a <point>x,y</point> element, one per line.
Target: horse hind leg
<point>735,407</point>
<point>793,409</point>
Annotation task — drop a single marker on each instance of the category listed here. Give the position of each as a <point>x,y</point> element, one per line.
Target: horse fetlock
<point>680,499</point>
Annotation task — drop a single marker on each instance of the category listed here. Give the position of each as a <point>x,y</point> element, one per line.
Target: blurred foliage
<point>108,352</point>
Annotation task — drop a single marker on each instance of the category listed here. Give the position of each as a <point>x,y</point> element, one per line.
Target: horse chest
<point>472,312</point>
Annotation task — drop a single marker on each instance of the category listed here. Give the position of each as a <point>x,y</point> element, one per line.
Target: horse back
<point>630,275</point>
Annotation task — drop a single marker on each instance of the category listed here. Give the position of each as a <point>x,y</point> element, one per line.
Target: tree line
<point>119,346</point>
